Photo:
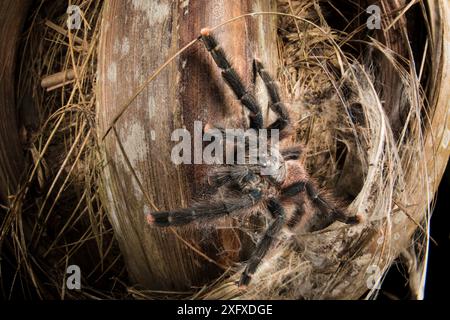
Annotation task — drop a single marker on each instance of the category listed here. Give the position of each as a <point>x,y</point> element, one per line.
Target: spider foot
<point>359,218</point>
<point>205,32</point>
<point>159,219</point>
<point>257,64</point>
<point>208,127</point>
<point>244,281</point>
<point>352,220</point>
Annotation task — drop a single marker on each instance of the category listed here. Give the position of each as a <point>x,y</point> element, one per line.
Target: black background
<point>438,268</point>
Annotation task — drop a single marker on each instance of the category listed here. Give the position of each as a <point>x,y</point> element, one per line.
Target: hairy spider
<point>288,195</point>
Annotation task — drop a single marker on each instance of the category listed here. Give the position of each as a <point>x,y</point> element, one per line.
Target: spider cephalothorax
<point>276,184</point>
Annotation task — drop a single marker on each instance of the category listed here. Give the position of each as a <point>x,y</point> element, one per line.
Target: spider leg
<point>325,206</point>
<point>265,243</point>
<point>319,201</point>
<point>276,104</point>
<point>238,175</point>
<point>204,211</point>
<point>292,153</point>
<point>296,216</point>
<point>232,79</point>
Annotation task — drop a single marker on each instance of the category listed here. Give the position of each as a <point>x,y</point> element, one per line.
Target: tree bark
<point>136,38</point>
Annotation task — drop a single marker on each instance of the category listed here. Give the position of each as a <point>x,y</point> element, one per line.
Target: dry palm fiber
<point>55,219</point>
<point>356,145</point>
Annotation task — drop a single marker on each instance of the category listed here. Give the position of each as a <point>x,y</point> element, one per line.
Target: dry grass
<point>56,218</point>
<point>330,78</point>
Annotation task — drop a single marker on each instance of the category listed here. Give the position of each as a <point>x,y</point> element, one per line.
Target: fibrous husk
<point>385,156</point>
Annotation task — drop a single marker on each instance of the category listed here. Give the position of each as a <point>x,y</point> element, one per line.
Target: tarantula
<point>288,195</point>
